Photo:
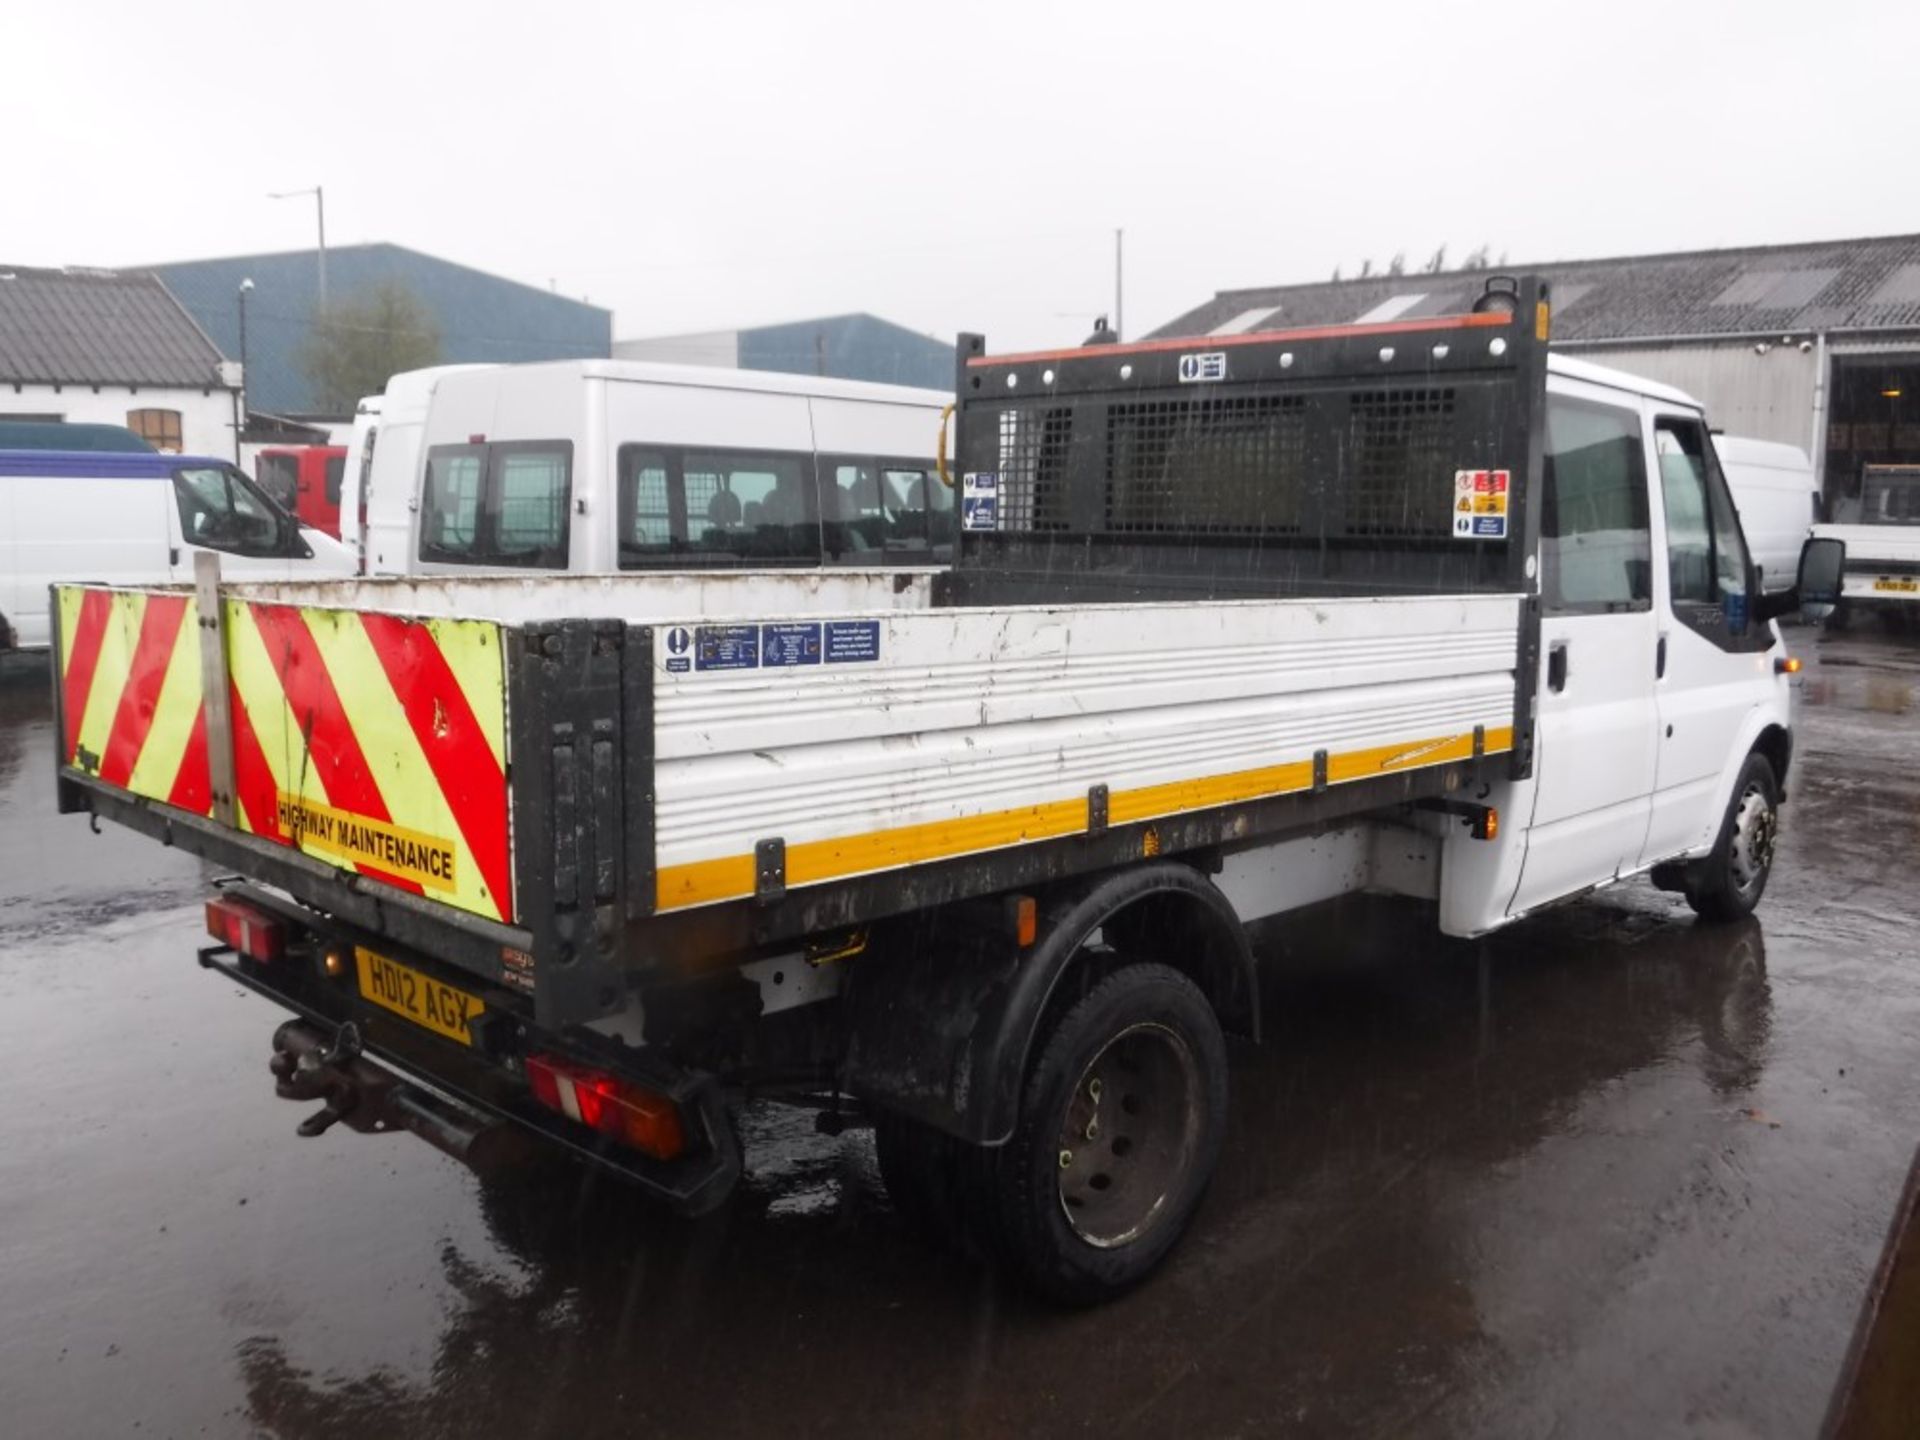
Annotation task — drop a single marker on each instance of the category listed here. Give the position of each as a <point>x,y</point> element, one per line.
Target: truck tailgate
<point>373,742</point>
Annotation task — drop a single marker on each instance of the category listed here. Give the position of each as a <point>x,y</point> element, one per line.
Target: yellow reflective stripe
<point>117,644</point>
<point>471,649</point>
<point>399,766</point>
<point>71,597</point>
<point>809,862</point>
<point>274,726</point>
<point>173,714</point>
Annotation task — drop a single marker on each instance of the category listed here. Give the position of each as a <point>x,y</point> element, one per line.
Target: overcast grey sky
<point>952,166</point>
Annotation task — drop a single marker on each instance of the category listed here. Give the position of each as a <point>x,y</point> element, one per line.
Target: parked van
<point>137,519</point>
<point>1778,497</point>
<point>386,430</point>
<point>305,481</point>
<point>604,465</point>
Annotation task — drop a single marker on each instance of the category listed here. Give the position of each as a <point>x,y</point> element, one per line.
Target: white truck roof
<point>1567,365</point>
<point>704,377</point>
<point>1761,454</point>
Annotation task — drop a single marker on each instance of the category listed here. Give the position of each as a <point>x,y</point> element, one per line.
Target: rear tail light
<point>246,928</point>
<point>628,1113</point>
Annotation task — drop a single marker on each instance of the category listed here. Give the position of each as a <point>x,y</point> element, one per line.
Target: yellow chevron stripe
<point>731,877</point>
<point>117,644</point>
<point>173,715</point>
<point>251,668</point>
<point>471,649</point>
<point>406,781</point>
<point>70,599</point>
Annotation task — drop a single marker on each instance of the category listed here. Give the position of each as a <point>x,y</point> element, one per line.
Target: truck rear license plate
<point>1899,584</point>
<point>422,999</point>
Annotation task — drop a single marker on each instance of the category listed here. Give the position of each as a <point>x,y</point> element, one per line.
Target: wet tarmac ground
<point>1610,1173</point>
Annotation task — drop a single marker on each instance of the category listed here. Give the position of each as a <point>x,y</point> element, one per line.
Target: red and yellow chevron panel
<point>373,742</point>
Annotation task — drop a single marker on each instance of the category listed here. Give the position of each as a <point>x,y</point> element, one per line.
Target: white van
<point>605,465</point>
<point>134,519</point>
<point>1778,497</point>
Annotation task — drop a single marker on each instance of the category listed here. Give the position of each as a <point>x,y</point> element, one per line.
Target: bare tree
<point>1366,269</point>
<point>1398,264</point>
<point>1437,261</point>
<point>364,339</point>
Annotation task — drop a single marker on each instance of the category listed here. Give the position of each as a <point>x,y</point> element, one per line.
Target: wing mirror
<point>1816,590</point>
<point>1823,567</point>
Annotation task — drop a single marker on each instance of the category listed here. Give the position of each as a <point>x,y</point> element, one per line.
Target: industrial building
<point>847,347</point>
<point>1816,345</point>
<point>106,348</point>
<point>478,317</point>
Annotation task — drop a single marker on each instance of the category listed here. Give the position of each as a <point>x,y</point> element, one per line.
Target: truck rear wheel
<point>1120,1128</point>
<point>1728,883</point>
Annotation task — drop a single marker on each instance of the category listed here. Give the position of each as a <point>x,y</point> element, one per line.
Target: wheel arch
<point>943,1025</point>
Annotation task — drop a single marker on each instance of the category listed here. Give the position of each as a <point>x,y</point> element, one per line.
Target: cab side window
<point>1707,566</point>
<point>220,510</point>
<point>1596,546</point>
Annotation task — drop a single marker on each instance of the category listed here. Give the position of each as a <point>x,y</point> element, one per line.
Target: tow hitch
<point>373,1100</point>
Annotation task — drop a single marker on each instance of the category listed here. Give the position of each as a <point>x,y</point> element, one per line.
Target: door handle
<point>173,555</point>
<point>1557,666</point>
<point>1660,659</point>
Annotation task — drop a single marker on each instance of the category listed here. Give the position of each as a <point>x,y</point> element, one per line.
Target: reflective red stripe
<point>152,653</point>
<point>192,787</point>
<point>77,684</point>
<point>470,778</point>
<point>254,790</point>
<point>331,745</point>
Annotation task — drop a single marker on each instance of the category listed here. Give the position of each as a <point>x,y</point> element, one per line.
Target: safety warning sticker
<point>980,500</point>
<point>789,644</point>
<point>1480,504</point>
<point>725,647</point>
<point>852,640</point>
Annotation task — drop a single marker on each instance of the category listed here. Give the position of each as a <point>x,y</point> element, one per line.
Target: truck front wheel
<point>1120,1128</point>
<point>1728,883</point>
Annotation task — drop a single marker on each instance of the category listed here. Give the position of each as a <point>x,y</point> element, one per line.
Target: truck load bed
<point>557,783</point>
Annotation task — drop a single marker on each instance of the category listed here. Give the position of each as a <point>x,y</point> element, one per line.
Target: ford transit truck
<point>1234,625</point>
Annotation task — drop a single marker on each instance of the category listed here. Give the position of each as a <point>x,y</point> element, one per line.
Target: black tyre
<point>917,1166</point>
<point>1728,883</point>
<point>1119,1131</point>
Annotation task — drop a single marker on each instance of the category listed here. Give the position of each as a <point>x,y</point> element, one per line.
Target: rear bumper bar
<point>468,1107</point>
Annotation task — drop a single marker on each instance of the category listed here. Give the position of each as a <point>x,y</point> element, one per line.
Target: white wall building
<point>104,347</point>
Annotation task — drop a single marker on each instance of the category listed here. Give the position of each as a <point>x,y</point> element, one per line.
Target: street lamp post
<point>240,411</point>
<point>320,213</point>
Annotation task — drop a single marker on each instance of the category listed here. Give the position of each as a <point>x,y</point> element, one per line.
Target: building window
<point>159,428</point>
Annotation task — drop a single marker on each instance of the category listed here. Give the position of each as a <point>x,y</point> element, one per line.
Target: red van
<point>305,480</point>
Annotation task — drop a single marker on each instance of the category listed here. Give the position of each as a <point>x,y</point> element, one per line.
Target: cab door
<point>1713,667</point>
<point>215,507</point>
<point>1594,732</point>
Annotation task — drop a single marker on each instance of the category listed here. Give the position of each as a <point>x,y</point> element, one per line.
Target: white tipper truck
<point>1235,625</point>
<point>1882,534</point>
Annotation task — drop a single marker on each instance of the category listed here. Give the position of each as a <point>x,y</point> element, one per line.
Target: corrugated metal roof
<point>1871,284</point>
<point>98,327</point>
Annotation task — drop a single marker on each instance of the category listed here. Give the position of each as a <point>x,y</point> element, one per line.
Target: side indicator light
<point>1487,825</point>
<point>246,928</point>
<point>631,1114</point>
<point>1542,321</point>
<point>1787,665</point>
<point>1026,920</point>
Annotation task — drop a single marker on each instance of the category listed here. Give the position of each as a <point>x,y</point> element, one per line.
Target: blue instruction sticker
<point>852,640</point>
<point>726,647</point>
<point>790,644</point>
<point>980,500</point>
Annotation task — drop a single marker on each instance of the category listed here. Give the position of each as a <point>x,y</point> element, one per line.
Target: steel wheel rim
<point>1754,828</point>
<point>1129,1133</point>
